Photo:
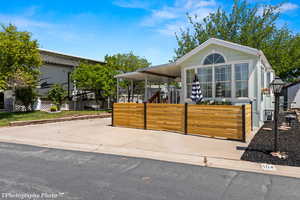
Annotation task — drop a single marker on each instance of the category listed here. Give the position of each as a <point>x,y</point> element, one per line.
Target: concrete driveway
<point>96,133</point>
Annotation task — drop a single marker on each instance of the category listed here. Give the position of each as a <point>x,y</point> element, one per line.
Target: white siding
<point>294,96</point>
<point>55,74</point>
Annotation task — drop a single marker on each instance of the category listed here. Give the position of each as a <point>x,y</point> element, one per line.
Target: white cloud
<point>170,19</point>
<point>132,3</point>
<point>285,7</point>
<point>23,22</point>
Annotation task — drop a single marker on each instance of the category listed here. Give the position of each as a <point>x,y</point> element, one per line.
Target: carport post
<point>169,93</point>
<point>146,89</point>
<point>131,91</point>
<point>117,90</point>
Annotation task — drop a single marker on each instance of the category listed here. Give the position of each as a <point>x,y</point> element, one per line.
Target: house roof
<point>292,84</point>
<point>53,57</point>
<point>173,70</point>
<point>231,45</point>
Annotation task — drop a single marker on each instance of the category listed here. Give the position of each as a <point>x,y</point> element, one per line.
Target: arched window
<point>214,58</point>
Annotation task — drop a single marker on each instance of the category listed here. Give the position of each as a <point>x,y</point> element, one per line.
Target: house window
<point>190,75</point>
<point>241,79</point>
<point>268,79</point>
<point>205,79</point>
<point>214,58</point>
<point>262,78</point>
<point>223,81</point>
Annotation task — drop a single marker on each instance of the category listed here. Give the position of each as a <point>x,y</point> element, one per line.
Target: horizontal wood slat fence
<point>225,121</point>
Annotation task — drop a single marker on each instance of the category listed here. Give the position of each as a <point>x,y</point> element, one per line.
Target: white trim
<point>232,63</point>
<point>213,52</point>
<point>69,55</point>
<point>224,43</point>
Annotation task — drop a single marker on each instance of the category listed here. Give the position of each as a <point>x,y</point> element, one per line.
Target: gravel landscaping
<point>263,143</point>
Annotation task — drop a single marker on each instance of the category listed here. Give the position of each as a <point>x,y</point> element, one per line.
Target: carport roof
<point>141,76</point>
<point>158,72</point>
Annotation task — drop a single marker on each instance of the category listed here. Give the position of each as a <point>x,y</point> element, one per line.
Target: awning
<point>159,72</point>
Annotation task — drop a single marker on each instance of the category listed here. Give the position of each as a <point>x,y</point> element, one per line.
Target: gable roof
<point>293,83</point>
<point>231,45</point>
<point>173,70</point>
<point>53,57</point>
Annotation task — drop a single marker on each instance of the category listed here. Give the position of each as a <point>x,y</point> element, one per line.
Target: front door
<point>1,100</point>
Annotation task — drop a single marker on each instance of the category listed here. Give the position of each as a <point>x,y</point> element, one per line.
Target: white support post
<point>169,93</point>
<point>131,91</point>
<point>117,90</point>
<point>146,90</point>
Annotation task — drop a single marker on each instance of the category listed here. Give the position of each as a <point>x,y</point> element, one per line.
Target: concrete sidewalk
<point>98,136</point>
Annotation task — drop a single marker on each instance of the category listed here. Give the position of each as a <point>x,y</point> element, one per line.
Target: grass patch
<point>5,118</point>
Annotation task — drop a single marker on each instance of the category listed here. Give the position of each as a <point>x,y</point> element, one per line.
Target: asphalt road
<point>27,172</point>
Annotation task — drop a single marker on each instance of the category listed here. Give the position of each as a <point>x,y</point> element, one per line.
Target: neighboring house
<point>227,72</point>
<point>291,94</point>
<point>56,69</point>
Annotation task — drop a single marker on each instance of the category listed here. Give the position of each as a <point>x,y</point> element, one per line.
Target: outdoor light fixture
<point>276,86</point>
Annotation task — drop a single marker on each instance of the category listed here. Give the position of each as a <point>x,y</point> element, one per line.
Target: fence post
<point>244,123</point>
<point>251,103</point>
<point>145,115</point>
<point>112,114</point>
<point>185,118</point>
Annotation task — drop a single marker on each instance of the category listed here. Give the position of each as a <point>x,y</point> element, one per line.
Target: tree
<point>96,78</point>
<point>19,58</point>
<point>27,96</point>
<point>57,95</point>
<point>246,25</point>
<point>124,63</point>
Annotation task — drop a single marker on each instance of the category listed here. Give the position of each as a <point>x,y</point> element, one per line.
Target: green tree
<point>19,58</point>
<point>96,78</point>
<point>27,96</point>
<point>57,95</point>
<point>124,63</point>
<point>247,25</point>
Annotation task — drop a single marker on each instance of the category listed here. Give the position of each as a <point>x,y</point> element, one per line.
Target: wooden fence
<point>225,121</point>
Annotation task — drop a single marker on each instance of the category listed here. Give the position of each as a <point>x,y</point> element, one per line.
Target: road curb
<point>204,161</point>
<point>63,119</point>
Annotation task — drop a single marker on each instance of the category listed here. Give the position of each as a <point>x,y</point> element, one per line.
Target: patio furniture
<point>269,115</point>
<point>289,119</point>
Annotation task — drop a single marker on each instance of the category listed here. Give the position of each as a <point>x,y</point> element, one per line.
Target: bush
<point>212,102</point>
<point>53,108</point>
<point>57,95</point>
<point>27,96</point>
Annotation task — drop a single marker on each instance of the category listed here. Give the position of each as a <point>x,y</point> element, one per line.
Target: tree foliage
<point>19,58</point>
<point>248,25</point>
<point>124,63</point>
<point>57,95</point>
<point>27,96</point>
<point>96,78</point>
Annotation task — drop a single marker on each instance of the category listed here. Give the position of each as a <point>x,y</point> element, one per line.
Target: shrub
<point>57,95</point>
<point>27,96</point>
<point>53,108</point>
<point>212,102</point>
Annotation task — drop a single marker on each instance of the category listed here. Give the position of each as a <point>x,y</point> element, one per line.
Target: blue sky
<point>94,28</point>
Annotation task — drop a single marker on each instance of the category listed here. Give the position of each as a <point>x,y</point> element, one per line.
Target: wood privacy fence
<point>225,121</point>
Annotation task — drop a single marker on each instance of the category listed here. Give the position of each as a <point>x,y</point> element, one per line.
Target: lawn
<point>5,118</point>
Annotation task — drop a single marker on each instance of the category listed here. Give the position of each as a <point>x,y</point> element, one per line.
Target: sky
<point>95,28</point>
